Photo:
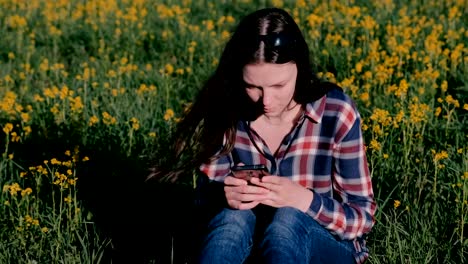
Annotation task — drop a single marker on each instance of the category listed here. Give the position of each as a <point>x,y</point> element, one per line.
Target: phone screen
<point>246,172</point>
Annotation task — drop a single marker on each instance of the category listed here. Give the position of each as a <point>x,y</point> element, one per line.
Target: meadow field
<point>90,91</point>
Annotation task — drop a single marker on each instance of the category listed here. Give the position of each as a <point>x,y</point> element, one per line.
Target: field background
<point>90,90</point>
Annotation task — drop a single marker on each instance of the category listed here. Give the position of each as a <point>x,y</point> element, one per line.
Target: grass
<point>90,90</point>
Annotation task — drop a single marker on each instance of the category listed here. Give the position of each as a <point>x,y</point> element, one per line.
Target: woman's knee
<point>304,237</point>
<point>233,222</point>
<point>289,221</point>
<point>234,217</point>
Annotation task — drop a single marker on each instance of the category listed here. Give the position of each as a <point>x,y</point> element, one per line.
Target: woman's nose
<point>266,97</point>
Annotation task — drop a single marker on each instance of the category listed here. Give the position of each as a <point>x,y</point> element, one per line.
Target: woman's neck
<point>290,115</point>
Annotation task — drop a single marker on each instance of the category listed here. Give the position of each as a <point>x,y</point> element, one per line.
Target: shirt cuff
<point>315,207</point>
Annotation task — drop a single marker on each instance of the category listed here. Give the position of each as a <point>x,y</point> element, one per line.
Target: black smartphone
<point>246,172</point>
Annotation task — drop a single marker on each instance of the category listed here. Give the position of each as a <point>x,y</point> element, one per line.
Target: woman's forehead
<point>267,74</point>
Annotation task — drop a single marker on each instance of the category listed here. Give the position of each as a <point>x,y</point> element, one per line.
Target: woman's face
<point>273,84</point>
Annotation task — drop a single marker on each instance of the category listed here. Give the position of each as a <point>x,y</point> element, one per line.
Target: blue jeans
<point>269,235</point>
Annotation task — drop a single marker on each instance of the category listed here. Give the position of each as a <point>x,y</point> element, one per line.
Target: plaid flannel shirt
<point>325,153</point>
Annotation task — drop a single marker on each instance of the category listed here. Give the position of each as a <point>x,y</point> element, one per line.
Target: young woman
<point>265,106</point>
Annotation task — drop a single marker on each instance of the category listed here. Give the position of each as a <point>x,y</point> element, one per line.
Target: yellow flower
<point>135,123</point>
<point>152,134</point>
<point>93,120</point>
<point>358,67</point>
<point>13,189</point>
<point>15,137</point>
<point>25,117</point>
<point>450,100</point>
<point>465,176</point>
<point>41,170</point>
<point>209,24</point>
<point>76,105</point>
<point>26,191</point>
<point>396,203</point>
<point>375,145</point>
<point>85,158</point>
<point>381,116</point>
<point>72,182</point>
<point>168,69</point>
<point>402,88</point>
<point>16,21</point>
<point>38,98</point>
<point>44,65</point>
<point>418,111</point>
<point>28,219</point>
<point>108,119</point>
<point>180,71</point>
<point>225,35</point>
<point>365,96</point>
<point>301,3</point>
<point>8,128</point>
<point>230,19</point>
<point>8,79</point>
<point>444,86</point>
<point>440,156</point>
<point>44,230</point>
<point>115,92</point>
<point>111,74</point>
<point>169,114</point>
<point>368,75</point>
<point>55,109</point>
<point>68,164</point>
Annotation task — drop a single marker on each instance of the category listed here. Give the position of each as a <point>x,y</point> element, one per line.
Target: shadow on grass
<point>147,222</point>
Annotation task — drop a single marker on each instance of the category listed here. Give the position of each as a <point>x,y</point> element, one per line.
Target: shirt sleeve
<point>349,213</point>
<point>217,168</point>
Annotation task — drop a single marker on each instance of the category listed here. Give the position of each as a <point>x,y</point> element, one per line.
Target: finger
<point>234,203</point>
<point>242,205</point>
<point>229,180</point>
<point>266,185</point>
<point>255,181</point>
<point>272,179</point>
<point>245,197</point>
<point>252,189</point>
<point>248,205</point>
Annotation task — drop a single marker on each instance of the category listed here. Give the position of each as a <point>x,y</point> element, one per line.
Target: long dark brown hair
<point>265,36</point>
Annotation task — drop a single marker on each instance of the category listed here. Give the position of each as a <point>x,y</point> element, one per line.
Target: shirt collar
<point>315,109</point>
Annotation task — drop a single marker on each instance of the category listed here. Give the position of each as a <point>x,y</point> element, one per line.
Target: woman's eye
<point>251,87</point>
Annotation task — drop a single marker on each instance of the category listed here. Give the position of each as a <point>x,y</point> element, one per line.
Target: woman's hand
<point>284,192</point>
<point>240,195</point>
